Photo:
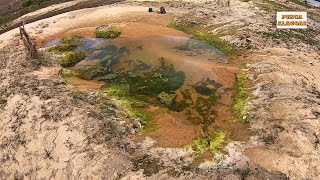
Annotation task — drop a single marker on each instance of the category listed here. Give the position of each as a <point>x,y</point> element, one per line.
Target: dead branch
<point>28,43</point>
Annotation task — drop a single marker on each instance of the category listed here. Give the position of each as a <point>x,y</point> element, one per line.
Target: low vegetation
<point>107,32</point>
<point>207,87</point>
<point>102,70</point>
<point>137,85</point>
<point>214,40</point>
<point>28,3</point>
<point>62,48</point>
<point>136,90</point>
<point>241,98</point>
<point>142,85</point>
<point>72,58</point>
<point>210,38</point>
<point>67,44</point>
<point>74,40</point>
<point>166,99</point>
<point>290,36</point>
<point>70,73</point>
<point>209,142</point>
<point>272,6</point>
<point>132,104</point>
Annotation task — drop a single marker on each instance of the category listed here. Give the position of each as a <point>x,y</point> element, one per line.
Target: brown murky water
<point>206,89</point>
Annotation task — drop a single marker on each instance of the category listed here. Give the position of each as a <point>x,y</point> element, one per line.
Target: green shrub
<point>27,3</point>
<point>72,58</point>
<point>109,33</point>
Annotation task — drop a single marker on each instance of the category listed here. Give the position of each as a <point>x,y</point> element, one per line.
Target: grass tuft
<point>241,98</point>
<point>62,48</point>
<point>67,44</point>
<point>108,33</point>
<point>74,40</point>
<point>209,142</point>
<point>72,58</point>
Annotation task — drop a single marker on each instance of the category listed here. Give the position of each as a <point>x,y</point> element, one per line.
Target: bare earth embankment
<point>51,129</point>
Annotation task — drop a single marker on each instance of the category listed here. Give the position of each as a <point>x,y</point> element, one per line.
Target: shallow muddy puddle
<point>180,88</point>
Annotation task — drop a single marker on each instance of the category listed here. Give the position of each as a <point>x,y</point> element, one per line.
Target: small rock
<point>162,10</point>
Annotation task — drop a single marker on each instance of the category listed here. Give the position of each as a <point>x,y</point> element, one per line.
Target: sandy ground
<point>71,21</point>
<point>49,130</point>
<point>50,136</point>
<point>287,85</point>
